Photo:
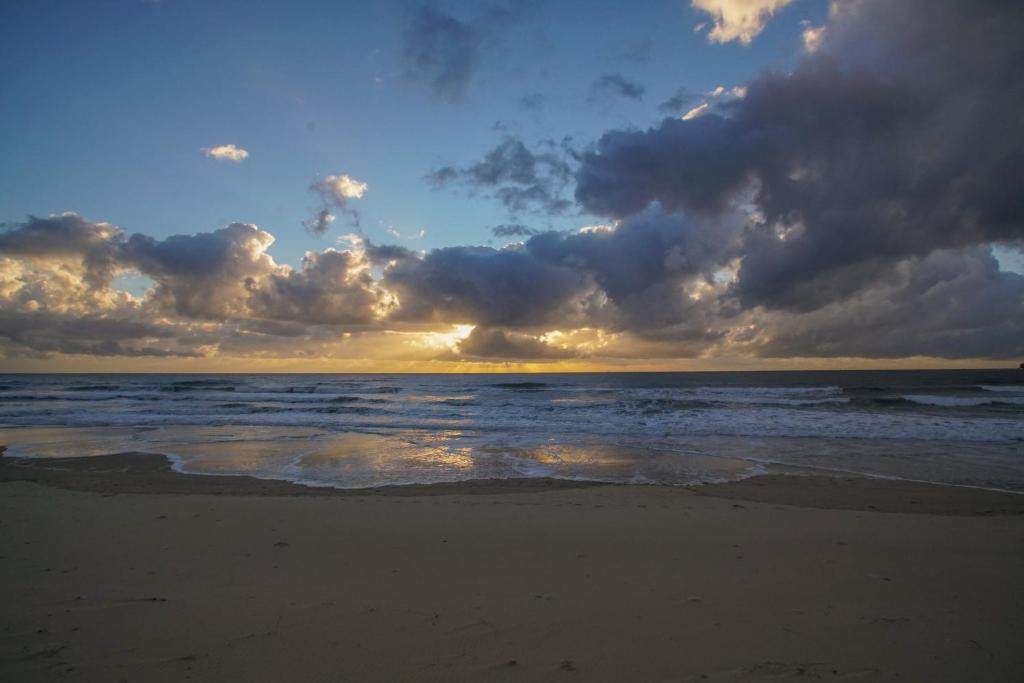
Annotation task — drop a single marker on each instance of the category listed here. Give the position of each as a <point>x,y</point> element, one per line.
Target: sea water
<point>963,427</point>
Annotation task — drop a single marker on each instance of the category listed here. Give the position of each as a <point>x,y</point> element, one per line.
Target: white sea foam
<point>1011,388</point>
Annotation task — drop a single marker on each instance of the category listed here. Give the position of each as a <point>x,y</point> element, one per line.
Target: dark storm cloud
<point>645,250</point>
<point>610,87</point>
<point>443,52</point>
<point>501,288</point>
<point>632,277</point>
<point>496,344</point>
<point>382,253</point>
<point>886,143</point>
<point>44,332</point>
<point>949,304</point>
<point>512,230</point>
<point>520,178</point>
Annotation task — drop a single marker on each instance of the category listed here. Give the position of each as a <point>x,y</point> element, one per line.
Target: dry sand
<point>117,569</point>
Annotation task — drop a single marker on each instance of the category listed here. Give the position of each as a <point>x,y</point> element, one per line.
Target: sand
<point>118,569</point>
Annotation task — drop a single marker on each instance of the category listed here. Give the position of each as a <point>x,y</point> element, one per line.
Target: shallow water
<point>964,427</point>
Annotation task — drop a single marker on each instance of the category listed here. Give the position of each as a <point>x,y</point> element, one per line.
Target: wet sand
<point>117,568</point>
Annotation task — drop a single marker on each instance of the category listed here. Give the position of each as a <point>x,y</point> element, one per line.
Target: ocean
<point>961,427</point>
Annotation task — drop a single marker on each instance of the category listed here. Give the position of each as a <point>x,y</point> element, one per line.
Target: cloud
<point>335,192</point>
<point>715,101</point>
<point>41,333</point>
<point>520,178</point>
<point>649,286</point>
<point>680,100</point>
<point>950,304</point>
<point>331,287</point>
<point>339,189</point>
<point>813,37</point>
<point>409,237</point>
<point>440,51</point>
<point>226,153</point>
<point>480,285</point>
<point>881,145</point>
<point>741,20</point>
<point>637,275</point>
<point>320,223</point>
<point>512,230</point>
<point>847,206</point>
<point>67,235</point>
<point>611,87</point>
<point>444,52</point>
<point>47,269</point>
<point>504,345</point>
<point>206,275</point>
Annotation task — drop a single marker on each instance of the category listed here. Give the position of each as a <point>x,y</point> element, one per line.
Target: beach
<point>116,568</point>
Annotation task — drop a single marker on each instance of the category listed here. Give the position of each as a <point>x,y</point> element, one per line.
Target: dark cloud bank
<point>845,208</point>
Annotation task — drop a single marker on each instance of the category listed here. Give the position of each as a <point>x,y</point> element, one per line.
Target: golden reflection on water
<point>352,451</point>
<point>365,459</point>
<point>63,442</point>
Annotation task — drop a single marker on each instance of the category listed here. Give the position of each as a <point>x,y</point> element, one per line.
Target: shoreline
<point>154,473</point>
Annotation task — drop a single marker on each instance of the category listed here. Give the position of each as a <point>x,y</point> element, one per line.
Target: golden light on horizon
<point>444,340</point>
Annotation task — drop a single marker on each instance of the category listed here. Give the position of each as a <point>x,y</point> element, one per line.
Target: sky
<point>191,185</point>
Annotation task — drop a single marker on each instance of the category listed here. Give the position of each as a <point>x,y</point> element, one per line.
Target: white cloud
<point>419,234</point>
<point>340,188</point>
<point>701,108</point>
<point>718,95</point>
<point>740,20</point>
<point>813,37</point>
<point>228,152</point>
<point>335,191</point>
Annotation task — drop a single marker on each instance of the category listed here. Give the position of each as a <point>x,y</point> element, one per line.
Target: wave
<point>188,386</point>
<point>782,391</point>
<point>961,401</point>
<point>520,386</point>
<point>770,396</point>
<point>654,406</point>
<point>27,398</point>
<point>383,390</point>
<point>1010,388</point>
<point>199,382</point>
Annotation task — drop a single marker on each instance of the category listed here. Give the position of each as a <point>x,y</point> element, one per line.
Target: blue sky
<point>108,103</point>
